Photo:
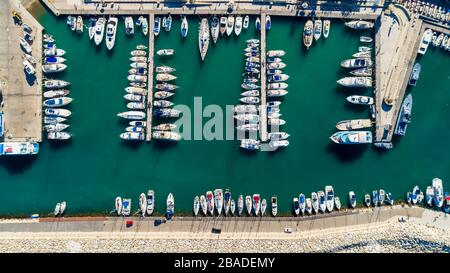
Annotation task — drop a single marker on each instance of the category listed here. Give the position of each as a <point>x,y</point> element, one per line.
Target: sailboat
<point>170,203</point>
<point>203,38</point>
<point>142,204</point>
<point>218,200</point>
<point>238,25</point>
<point>184,27</point>
<point>118,205</point>
<point>196,205</point>
<point>248,204</point>
<point>240,204</point>
<point>230,25</point>
<point>111,29</point>
<point>215,28</point>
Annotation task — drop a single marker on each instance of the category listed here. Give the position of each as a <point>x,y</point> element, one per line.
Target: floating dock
<point>263,109</point>
<point>151,54</point>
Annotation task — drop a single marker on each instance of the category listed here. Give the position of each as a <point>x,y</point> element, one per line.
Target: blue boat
<point>415,73</point>
<point>404,117</point>
<point>352,137</point>
<point>375,198</point>
<point>19,148</point>
<point>184,27</point>
<point>415,195</point>
<point>2,125</point>
<point>258,23</point>
<point>447,203</point>
<point>49,45</point>
<point>302,202</point>
<point>57,102</point>
<point>170,206</point>
<point>168,25</point>
<point>268,22</point>
<point>389,199</point>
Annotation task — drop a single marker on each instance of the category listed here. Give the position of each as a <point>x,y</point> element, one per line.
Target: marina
<point>233,164</point>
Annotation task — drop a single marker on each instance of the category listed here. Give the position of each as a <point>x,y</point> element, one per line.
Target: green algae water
<point>96,165</point>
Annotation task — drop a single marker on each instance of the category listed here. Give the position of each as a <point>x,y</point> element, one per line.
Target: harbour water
<point>96,165</point>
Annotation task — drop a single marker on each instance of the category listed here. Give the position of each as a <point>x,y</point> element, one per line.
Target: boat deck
<point>151,54</point>
<point>21,94</point>
<point>263,109</point>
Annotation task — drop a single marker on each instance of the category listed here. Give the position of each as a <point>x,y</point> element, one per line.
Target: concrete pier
<point>21,93</point>
<point>263,110</point>
<point>151,54</point>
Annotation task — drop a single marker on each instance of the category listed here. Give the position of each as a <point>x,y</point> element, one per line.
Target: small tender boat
<point>165,127</point>
<point>132,115</point>
<point>367,200</point>
<point>162,103</point>
<point>150,204</point>
<point>57,127</point>
<point>218,200</point>
<point>302,203</point>
<point>230,25</point>
<point>240,205</point>
<point>352,137</point>
<point>248,204</point>
<point>170,206</point>
<point>165,52</point>
<point>296,206</point>
<point>57,208</point>
<point>359,24</point>
<point>91,27</point>
<point>274,202</point>
<point>58,135</point>
<point>263,207</point>
<point>268,22</point>
<point>308,33</point>
<point>99,30</point>
<point>210,202</point>
<point>57,102</point>
<point>157,26</point>
<point>250,144</point>
<point>203,205</point>
<point>315,202</point>
<point>136,105</point>
<point>215,28</point>
<point>164,77</point>
<point>184,27</point>
<point>317,29</point>
<point>56,93</point>
<point>166,135</point>
<point>365,39</point>
<point>329,194</point>
<point>337,203</point>
<point>256,204</point>
<point>163,94</point>
<point>196,205</point>
<point>57,112</point>
<point>354,124</point>
<point>136,90</point>
<point>326,28</point>
<point>118,205</point>
<point>129,25</point>
<point>132,136</point>
<point>363,100</point>
<point>246,22</point>
<point>111,29</point>
<point>258,23</point>
<point>53,68</point>
<point>238,25</point>
<point>375,199</point>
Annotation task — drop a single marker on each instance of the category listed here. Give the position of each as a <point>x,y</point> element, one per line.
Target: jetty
<point>151,67</point>
<point>21,94</point>
<point>263,109</point>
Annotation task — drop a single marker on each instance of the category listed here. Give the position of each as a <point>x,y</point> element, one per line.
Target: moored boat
<point>296,206</point>
<point>326,28</point>
<point>356,82</point>
<point>415,73</point>
<point>58,135</point>
<point>263,207</point>
<point>111,30</point>
<point>57,102</point>
<point>352,199</point>
<point>356,63</point>
<point>129,25</point>
<point>363,100</point>
<point>215,28</point>
<point>118,205</point>
<point>157,26</point>
<point>170,206</point>
<point>230,25</point>
<point>302,203</point>
<point>218,200</point>
<point>126,206</point>
<point>166,135</point>
<point>329,198</point>
<point>223,25</point>
<point>240,205</point>
<point>238,25</point>
<point>57,112</point>
<point>99,30</point>
<point>404,117</point>
<point>308,34</point>
<point>132,136</point>
<point>166,113</point>
<point>274,206</point>
<point>203,205</point>
<point>248,204</point>
<point>315,202</point>
<point>317,29</point>
<point>203,38</point>
<point>210,202</point>
<point>184,27</point>
<point>164,127</point>
<point>256,204</point>
<point>56,93</point>
<point>150,206</point>
<point>352,137</point>
<point>196,205</point>
<point>367,200</point>
<point>142,204</point>
<point>250,144</point>
<point>354,124</point>
<point>359,24</point>
<point>136,115</point>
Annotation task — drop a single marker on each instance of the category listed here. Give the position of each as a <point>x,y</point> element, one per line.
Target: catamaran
<point>184,27</point>
<point>99,30</point>
<point>308,34</point>
<point>215,28</point>
<point>317,29</point>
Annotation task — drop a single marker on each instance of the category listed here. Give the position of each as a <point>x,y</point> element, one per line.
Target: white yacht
<point>238,25</point>
<point>355,82</point>
<point>230,25</point>
<point>215,28</point>
<point>111,29</point>
<point>129,25</point>
<point>99,30</point>
<point>203,38</point>
<point>425,42</point>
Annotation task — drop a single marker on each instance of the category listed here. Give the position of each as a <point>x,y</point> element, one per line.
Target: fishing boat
<point>263,207</point>
<point>425,41</point>
<point>232,207</point>
<point>150,203</point>
<point>353,124</point>
<point>166,86</point>
<point>363,100</point>
<point>157,26</point>
<point>165,127</point>
<point>248,204</point>
<point>274,206</point>
<point>58,135</point>
<point>359,24</point>
<point>375,199</point>
<point>53,68</point>
<point>356,63</point>
<point>56,93</point>
<point>276,121</point>
<point>166,135</point>
<point>164,77</point>
<point>91,27</point>
<point>238,25</point>
<point>57,127</point>
<point>210,202</point>
<point>308,34</point>
<point>227,201</point>
<point>223,25</point>
<point>256,204</point>
<point>296,207</point>
<point>317,29</point>
<point>196,205</point>
<point>170,206</point>
<point>168,25</point>
<point>25,46</point>
<point>302,202</point>
<point>111,29</point>
<point>99,30</point>
<point>240,205</point>
<point>166,113</point>
<point>136,115</point>
<point>250,144</point>
<point>57,102</point>
<point>367,200</point>
<point>203,205</point>
<point>246,22</point>
<point>268,22</point>
<point>352,137</point>
<point>132,136</point>
<point>429,194</point>
<point>136,90</point>
<point>57,208</point>
<point>203,38</point>
<point>215,28</point>
<point>356,82</point>
<point>118,205</point>
<point>250,100</point>
<point>218,200</point>
<point>129,25</point>
<point>362,72</point>
<point>163,94</point>
<point>57,112</point>
<point>258,24</point>
<point>136,105</point>
<point>415,73</point>
<point>137,78</point>
<point>126,207</point>
<point>326,28</point>
<point>404,117</point>
<point>438,196</point>
<point>230,25</point>
<point>184,27</point>
<point>329,194</point>
<point>53,120</point>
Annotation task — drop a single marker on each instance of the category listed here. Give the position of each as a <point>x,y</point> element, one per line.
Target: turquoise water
<point>96,166</point>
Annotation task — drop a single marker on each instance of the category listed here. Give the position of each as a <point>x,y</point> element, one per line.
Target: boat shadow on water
<point>347,153</point>
<point>162,145</point>
<point>60,144</point>
<point>19,164</point>
<point>31,79</point>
